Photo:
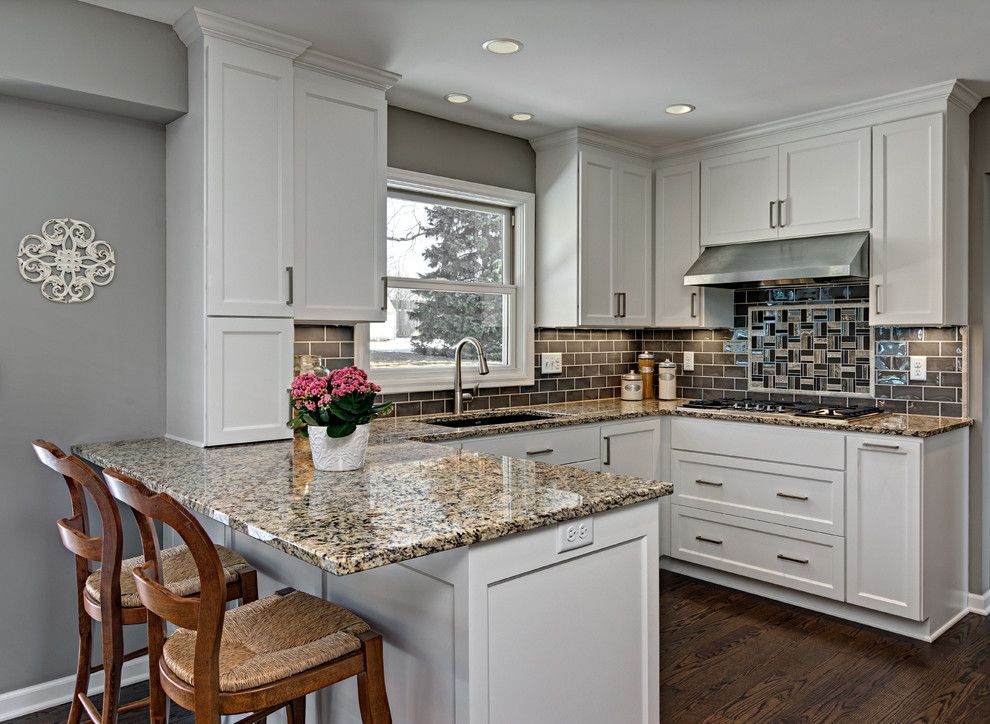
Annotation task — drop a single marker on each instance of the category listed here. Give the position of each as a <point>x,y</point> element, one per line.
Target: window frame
<point>519,367</point>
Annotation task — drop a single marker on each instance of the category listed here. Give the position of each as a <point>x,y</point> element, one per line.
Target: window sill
<point>402,382</point>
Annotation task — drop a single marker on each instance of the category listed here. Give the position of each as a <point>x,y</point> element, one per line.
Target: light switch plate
<point>919,368</point>
<point>550,363</point>
<point>689,361</point>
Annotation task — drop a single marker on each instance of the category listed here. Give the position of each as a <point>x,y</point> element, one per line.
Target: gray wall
<point>70,372</point>
<point>80,55</point>
<point>979,346</point>
<point>417,142</point>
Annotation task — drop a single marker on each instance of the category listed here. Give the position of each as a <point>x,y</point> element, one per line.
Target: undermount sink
<point>484,420</point>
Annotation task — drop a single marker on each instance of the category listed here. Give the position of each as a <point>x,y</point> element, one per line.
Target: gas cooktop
<point>825,411</point>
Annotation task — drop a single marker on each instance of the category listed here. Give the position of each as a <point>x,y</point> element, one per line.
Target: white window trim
<point>522,204</point>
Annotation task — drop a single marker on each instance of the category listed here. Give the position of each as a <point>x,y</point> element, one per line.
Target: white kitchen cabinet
<point>676,247</point>
<point>818,185</point>
<point>631,448</point>
<point>248,373</point>
<point>824,184</point>
<point>565,446</point>
<point>340,177</point>
<point>738,197</point>
<point>248,180</point>
<point>883,514</point>
<point>918,244</point>
<point>594,260</point>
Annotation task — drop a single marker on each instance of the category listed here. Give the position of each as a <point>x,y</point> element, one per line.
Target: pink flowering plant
<point>340,401</point>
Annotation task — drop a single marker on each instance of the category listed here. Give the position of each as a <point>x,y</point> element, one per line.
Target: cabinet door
<point>632,448</point>
<point>738,197</point>
<point>883,525</point>
<point>248,181</point>
<point>340,200</point>
<point>677,245</point>
<point>249,370</point>
<point>825,184</point>
<point>906,264</point>
<point>634,253</point>
<point>598,219</point>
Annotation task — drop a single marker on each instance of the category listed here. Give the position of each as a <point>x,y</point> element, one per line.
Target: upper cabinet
<point>676,248</point>
<point>248,180</point>
<point>594,261</point>
<point>340,169</point>
<point>918,241</point>
<point>819,185</point>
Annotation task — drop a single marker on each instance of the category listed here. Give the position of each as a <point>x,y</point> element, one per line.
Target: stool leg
<point>249,586</point>
<point>372,696</point>
<point>113,654</point>
<point>295,711</point>
<point>83,666</point>
<point>157,701</point>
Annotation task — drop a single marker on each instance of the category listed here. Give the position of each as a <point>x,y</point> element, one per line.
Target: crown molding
<point>198,22</point>
<point>587,137</point>
<point>321,62</point>
<point>949,91</point>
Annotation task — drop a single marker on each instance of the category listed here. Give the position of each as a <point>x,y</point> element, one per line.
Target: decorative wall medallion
<point>66,260</point>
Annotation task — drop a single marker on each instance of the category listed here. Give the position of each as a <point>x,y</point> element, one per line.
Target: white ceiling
<point>612,65</point>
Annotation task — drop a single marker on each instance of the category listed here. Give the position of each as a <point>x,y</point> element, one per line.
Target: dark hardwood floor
<point>727,656</point>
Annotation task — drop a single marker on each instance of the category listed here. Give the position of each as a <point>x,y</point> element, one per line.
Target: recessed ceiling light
<point>502,46</point>
<point>457,97</point>
<point>522,116</point>
<point>679,109</point>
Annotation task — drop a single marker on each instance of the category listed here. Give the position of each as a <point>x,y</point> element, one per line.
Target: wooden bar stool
<point>258,657</point>
<point>109,596</point>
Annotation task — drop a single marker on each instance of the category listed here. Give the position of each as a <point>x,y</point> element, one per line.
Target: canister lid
<point>646,355</point>
<point>667,364</point>
<point>632,376</point>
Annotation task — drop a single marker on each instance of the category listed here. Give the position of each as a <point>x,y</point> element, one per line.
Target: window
<point>459,258</point>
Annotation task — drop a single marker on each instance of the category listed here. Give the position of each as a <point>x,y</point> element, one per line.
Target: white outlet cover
<point>689,361</point>
<point>919,368</point>
<point>551,363</point>
<point>575,534</point>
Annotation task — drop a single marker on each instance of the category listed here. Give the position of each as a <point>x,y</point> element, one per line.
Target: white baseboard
<point>980,603</point>
<point>59,691</point>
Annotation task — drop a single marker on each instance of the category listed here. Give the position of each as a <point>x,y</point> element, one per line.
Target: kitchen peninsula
<point>462,560</point>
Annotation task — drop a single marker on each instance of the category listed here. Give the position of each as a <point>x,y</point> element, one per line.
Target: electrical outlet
<point>689,361</point>
<point>919,368</point>
<point>575,534</point>
<point>550,363</point>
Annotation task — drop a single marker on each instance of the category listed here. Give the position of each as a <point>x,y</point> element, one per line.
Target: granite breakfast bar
<point>454,557</point>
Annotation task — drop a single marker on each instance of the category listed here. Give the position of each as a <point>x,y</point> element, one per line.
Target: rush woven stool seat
<point>109,599</point>
<point>256,658</point>
<point>179,569</point>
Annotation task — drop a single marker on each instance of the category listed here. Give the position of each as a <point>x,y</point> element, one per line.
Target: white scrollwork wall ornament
<point>67,260</point>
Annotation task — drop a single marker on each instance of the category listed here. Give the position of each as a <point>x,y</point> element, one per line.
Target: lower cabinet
<point>883,513</point>
<point>631,448</point>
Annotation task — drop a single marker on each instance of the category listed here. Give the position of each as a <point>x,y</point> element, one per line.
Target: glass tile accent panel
<point>815,349</point>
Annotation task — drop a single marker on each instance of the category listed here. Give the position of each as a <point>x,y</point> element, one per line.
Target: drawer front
<point>808,498</point>
<point>561,446</point>
<point>802,560</point>
<point>818,448</point>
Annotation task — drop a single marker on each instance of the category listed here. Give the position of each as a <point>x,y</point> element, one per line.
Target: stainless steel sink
<point>484,420</point>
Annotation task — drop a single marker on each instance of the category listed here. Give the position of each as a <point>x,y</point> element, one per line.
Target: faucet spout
<point>460,397</point>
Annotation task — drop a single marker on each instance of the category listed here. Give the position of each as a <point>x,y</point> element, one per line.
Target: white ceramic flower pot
<point>337,454</point>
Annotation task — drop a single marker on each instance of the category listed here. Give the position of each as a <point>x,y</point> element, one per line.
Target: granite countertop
<point>410,499</point>
<point>579,413</point>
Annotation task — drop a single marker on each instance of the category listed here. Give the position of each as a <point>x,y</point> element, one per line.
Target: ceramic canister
<point>667,380</point>
<point>632,386</point>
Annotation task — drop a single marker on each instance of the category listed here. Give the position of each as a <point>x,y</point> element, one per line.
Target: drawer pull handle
<point>708,540</point>
<point>790,496</point>
<point>708,482</point>
<point>803,561</point>
<point>544,451</point>
<point>880,446</point>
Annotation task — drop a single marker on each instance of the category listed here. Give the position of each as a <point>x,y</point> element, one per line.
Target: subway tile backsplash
<point>594,360</point>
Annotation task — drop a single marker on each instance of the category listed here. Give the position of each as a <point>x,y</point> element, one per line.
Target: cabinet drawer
<point>798,559</point>
<point>566,445</point>
<point>803,497</point>
<point>818,448</point>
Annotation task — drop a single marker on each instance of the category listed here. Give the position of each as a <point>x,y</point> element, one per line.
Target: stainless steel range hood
<point>839,257</point>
